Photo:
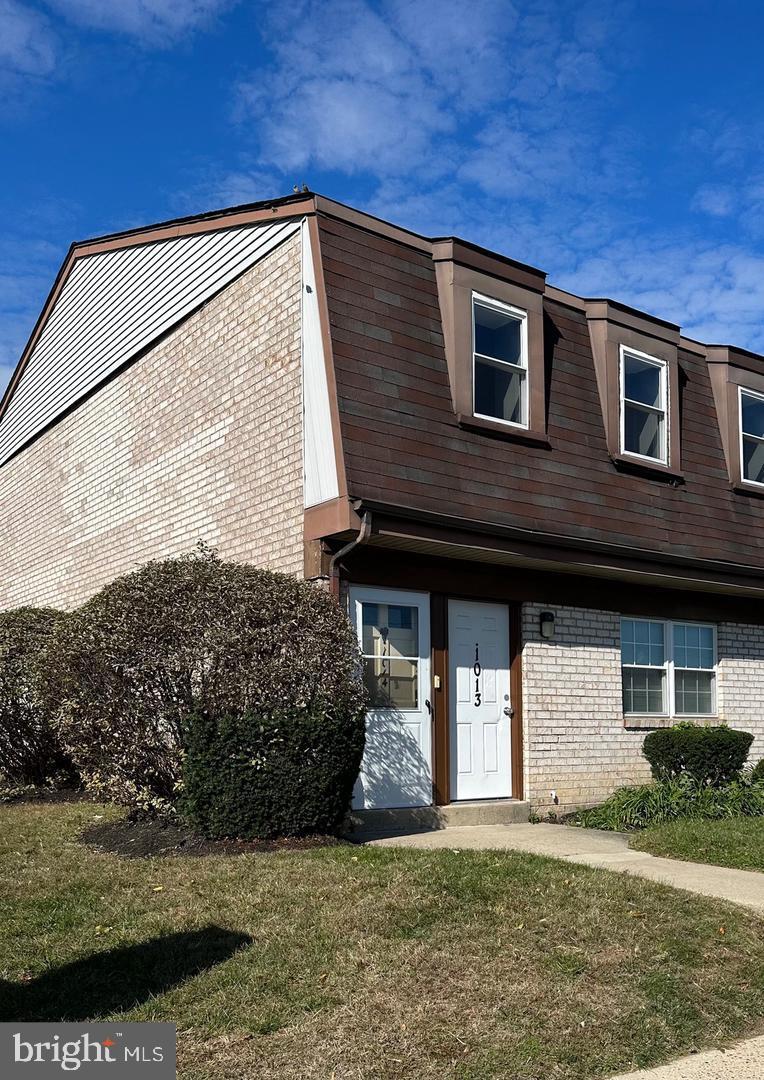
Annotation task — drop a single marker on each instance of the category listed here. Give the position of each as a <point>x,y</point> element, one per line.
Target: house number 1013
<point>476,669</point>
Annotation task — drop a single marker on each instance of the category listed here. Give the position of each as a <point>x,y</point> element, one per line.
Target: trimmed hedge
<point>757,773</point>
<point>710,755</point>
<point>286,772</point>
<point>193,635</point>
<point>30,750</point>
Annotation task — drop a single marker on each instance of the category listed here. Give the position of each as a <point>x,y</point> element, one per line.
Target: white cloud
<point>714,199</point>
<point>426,91</point>
<point>27,44</point>
<point>714,292</point>
<point>155,22</point>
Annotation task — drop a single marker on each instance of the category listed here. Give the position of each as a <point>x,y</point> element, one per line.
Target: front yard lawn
<point>737,842</point>
<point>370,962</point>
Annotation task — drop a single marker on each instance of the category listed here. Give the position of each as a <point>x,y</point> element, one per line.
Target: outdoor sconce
<point>546,625</point>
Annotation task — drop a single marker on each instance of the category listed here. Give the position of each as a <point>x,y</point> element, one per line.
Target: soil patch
<point>146,838</point>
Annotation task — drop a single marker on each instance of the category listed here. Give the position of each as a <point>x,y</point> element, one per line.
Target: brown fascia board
<point>735,357</point>
<point>372,224</point>
<point>614,312</point>
<point>737,576</point>
<point>452,249</point>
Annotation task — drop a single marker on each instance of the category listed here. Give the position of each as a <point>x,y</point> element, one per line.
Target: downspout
<point>334,563</point>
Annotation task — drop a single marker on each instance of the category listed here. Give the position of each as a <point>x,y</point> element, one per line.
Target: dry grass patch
<point>380,963</point>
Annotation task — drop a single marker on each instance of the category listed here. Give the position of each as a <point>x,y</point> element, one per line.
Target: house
<point>544,513</point>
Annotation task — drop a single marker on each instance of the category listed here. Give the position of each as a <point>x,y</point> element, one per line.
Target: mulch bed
<point>139,839</point>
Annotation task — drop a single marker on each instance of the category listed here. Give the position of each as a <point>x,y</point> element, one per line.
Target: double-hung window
<point>500,361</point>
<point>668,668</point>
<point>752,436</point>
<point>644,406</point>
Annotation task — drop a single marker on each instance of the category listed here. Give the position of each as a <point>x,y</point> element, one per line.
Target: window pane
<point>752,414</point>
<point>390,630</point>
<point>499,391</point>
<point>498,334</point>
<point>753,460</point>
<point>644,690</point>
<point>391,684</point>
<point>627,641</point>
<point>693,646</point>
<point>643,432</point>
<point>642,381</point>
<point>694,692</point>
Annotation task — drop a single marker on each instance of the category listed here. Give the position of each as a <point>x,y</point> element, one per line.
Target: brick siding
<point>199,439</point>
<point>575,740</point>
<point>741,680</point>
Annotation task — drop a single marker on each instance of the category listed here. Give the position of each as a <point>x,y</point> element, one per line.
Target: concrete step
<point>373,824</point>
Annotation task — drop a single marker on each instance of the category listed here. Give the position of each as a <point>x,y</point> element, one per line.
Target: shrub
<point>281,772</point>
<point>30,750</point>
<point>757,773</point>
<point>667,800</point>
<point>191,635</point>
<point>710,755</point>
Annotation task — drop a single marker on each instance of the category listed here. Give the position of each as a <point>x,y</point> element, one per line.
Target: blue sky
<point>618,146</point>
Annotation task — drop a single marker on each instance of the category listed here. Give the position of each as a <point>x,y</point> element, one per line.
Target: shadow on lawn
<point>108,982</point>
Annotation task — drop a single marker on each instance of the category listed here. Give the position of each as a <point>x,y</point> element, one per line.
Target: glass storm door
<point>393,628</point>
<point>478,648</point>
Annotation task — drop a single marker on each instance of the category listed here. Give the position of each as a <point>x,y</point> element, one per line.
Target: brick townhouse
<point>543,512</point>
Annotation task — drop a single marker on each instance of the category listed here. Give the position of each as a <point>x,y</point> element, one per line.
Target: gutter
<point>364,533</point>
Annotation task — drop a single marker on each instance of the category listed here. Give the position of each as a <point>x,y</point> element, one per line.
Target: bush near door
<point>281,772</point>
<point>30,750</point>
<point>195,635</point>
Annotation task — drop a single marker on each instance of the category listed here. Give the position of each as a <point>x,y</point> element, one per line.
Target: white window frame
<point>623,401</point>
<point>522,316</point>
<point>755,394</point>
<point>669,666</point>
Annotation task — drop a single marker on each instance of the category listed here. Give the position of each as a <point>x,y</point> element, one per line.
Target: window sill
<point>499,430</point>
<point>743,488</point>
<point>627,464</point>
<point>650,723</point>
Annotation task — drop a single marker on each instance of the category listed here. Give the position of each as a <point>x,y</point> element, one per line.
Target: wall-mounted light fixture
<point>546,625</point>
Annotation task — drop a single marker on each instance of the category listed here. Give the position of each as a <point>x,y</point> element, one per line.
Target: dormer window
<point>636,360</point>
<point>492,313</point>
<point>500,361</point>
<point>752,436</point>
<point>644,406</point>
<point>737,380</point>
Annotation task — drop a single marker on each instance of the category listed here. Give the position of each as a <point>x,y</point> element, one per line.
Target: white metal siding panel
<point>114,305</point>
<point>319,463</point>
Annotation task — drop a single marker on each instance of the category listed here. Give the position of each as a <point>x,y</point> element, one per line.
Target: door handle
<point>429,707</point>
<point>508,710</point>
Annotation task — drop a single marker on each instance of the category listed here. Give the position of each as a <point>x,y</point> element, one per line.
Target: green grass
<point>737,842</point>
<point>371,962</point>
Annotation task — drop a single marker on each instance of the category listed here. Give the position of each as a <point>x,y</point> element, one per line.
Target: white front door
<point>393,628</point>
<point>478,648</point>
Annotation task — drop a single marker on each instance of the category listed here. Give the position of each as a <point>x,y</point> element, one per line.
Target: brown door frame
<point>441,722</point>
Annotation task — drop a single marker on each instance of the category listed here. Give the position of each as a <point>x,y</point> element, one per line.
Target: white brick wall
<point>575,739</point>
<point>201,438</point>
<point>741,680</point>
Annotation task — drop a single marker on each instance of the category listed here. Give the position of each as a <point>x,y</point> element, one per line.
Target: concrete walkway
<point>607,850</point>
<point>742,1062</point>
